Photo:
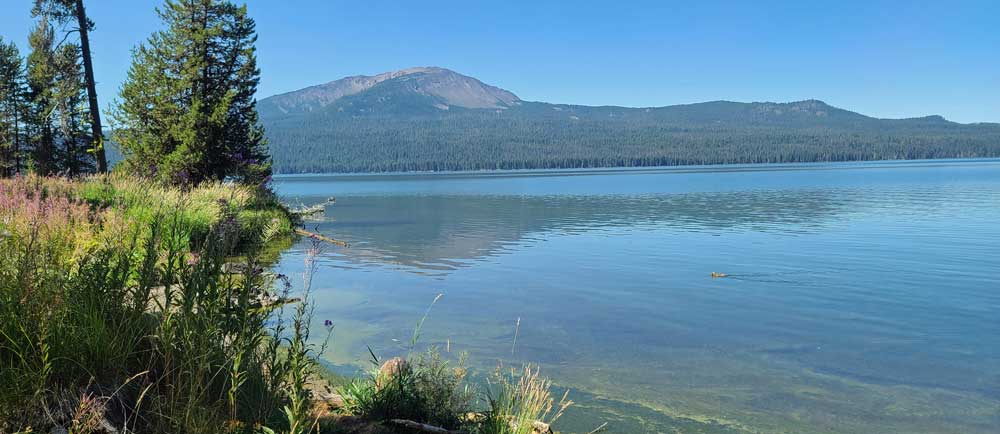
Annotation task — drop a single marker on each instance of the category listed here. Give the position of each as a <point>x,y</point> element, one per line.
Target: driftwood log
<point>599,429</point>
<point>423,427</point>
<point>316,236</point>
<point>537,427</point>
<point>336,401</point>
<point>315,209</point>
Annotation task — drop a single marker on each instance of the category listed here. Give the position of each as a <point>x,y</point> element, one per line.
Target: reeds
<point>516,402</point>
<point>426,389</point>
<point>115,309</point>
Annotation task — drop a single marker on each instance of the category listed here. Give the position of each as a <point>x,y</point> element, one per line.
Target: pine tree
<point>187,111</point>
<point>69,96</point>
<point>64,11</point>
<point>12,108</point>
<point>41,87</point>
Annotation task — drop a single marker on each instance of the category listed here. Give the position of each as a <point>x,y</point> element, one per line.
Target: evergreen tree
<point>187,111</point>
<point>41,87</point>
<point>64,11</point>
<point>73,115</point>
<point>12,108</point>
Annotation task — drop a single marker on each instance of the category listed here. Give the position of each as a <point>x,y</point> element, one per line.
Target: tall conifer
<point>72,113</point>
<point>12,108</point>
<point>65,11</point>
<point>41,87</point>
<point>187,111</point>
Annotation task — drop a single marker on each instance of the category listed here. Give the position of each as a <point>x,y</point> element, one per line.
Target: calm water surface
<point>861,298</point>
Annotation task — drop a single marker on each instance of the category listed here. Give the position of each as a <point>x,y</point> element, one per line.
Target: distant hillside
<point>436,119</point>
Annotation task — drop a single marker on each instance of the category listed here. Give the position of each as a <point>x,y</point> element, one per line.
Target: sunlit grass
<point>115,307</point>
<point>519,400</point>
<point>427,388</point>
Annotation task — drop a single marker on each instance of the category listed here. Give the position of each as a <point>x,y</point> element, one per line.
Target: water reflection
<point>857,300</point>
<point>445,232</point>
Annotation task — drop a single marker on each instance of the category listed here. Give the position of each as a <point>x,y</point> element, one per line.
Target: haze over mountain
<point>432,118</point>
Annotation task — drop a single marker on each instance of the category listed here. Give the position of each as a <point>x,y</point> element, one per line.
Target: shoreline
<point>681,168</point>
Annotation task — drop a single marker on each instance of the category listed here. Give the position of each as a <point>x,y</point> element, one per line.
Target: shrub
<point>426,389</point>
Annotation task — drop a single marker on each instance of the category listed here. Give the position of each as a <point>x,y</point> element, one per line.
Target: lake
<point>859,297</point>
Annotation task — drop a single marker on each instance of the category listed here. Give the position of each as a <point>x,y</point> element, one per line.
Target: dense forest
<point>391,127</point>
<point>476,141</point>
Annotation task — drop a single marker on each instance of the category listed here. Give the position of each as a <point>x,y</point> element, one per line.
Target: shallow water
<point>860,297</point>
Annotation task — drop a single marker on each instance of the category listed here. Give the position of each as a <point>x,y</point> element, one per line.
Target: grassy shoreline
<point>118,309</point>
<point>130,306</point>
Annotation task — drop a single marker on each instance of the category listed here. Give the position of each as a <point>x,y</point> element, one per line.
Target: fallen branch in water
<point>599,429</point>
<point>315,209</point>
<point>316,236</point>
<point>537,426</point>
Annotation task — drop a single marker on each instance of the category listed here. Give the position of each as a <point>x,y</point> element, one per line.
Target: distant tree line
<point>476,140</point>
<point>186,112</point>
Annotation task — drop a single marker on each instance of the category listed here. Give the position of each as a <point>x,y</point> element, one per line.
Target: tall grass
<point>426,388</point>
<point>116,308</point>
<point>517,401</point>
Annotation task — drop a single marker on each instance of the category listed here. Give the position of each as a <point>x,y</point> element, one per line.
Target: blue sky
<point>881,58</point>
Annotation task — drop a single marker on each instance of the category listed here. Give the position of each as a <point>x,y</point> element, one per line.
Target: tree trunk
<point>95,109</point>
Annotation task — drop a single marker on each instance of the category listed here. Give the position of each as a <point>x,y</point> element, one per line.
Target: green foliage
<point>299,362</point>
<point>51,120</point>
<point>115,304</point>
<point>426,388</point>
<point>516,402</point>
<point>13,106</point>
<point>66,12</point>
<point>255,210</point>
<point>73,116</point>
<point>422,387</point>
<point>402,132</point>
<point>59,10</point>
<point>41,84</point>
<point>187,112</point>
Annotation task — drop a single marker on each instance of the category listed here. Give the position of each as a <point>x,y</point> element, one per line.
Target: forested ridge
<point>367,134</point>
<point>514,139</point>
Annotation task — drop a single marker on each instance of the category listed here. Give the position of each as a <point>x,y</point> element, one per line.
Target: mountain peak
<point>442,87</point>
